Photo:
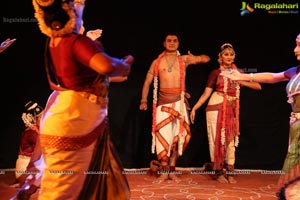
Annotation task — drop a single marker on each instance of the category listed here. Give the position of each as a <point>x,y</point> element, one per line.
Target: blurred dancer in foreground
<point>81,161</point>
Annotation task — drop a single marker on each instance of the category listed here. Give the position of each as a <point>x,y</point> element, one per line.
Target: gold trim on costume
<point>229,98</point>
<point>103,101</point>
<point>71,143</point>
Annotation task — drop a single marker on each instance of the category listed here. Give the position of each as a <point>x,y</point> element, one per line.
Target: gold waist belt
<point>229,98</point>
<point>103,101</point>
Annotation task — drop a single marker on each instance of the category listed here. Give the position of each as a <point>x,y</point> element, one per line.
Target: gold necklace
<point>170,66</point>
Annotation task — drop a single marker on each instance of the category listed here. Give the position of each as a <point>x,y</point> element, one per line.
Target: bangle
<point>251,77</point>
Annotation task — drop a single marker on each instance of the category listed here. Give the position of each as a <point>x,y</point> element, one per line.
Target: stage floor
<point>193,185</point>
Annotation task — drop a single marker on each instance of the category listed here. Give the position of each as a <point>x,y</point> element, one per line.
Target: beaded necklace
<point>170,66</point>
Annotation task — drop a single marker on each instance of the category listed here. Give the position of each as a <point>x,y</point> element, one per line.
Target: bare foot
<point>174,177</point>
<point>163,177</point>
<point>231,179</point>
<point>222,179</point>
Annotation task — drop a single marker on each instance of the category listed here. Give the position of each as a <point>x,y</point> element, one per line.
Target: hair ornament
<point>223,47</point>
<point>226,46</point>
<point>56,20</point>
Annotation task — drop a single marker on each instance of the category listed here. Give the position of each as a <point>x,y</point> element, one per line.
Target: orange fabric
<point>171,90</point>
<point>174,115</point>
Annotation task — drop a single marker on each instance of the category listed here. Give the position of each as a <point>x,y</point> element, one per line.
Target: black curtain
<point>262,41</point>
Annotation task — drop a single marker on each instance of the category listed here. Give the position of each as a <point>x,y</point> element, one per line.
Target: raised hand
<point>193,59</point>
<point>232,74</point>
<point>94,34</point>
<point>5,44</point>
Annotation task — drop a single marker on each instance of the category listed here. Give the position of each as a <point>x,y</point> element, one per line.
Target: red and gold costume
<point>222,120</point>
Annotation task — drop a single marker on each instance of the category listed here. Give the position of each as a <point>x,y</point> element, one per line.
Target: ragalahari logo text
<point>270,8</point>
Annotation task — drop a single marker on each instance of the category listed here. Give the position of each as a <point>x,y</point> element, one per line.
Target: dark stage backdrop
<point>263,41</point>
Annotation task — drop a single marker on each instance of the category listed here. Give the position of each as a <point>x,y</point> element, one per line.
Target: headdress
<point>55,17</point>
<point>31,111</point>
<point>224,47</point>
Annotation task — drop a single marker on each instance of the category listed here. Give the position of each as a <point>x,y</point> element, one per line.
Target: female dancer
<point>289,182</point>
<point>222,114</point>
